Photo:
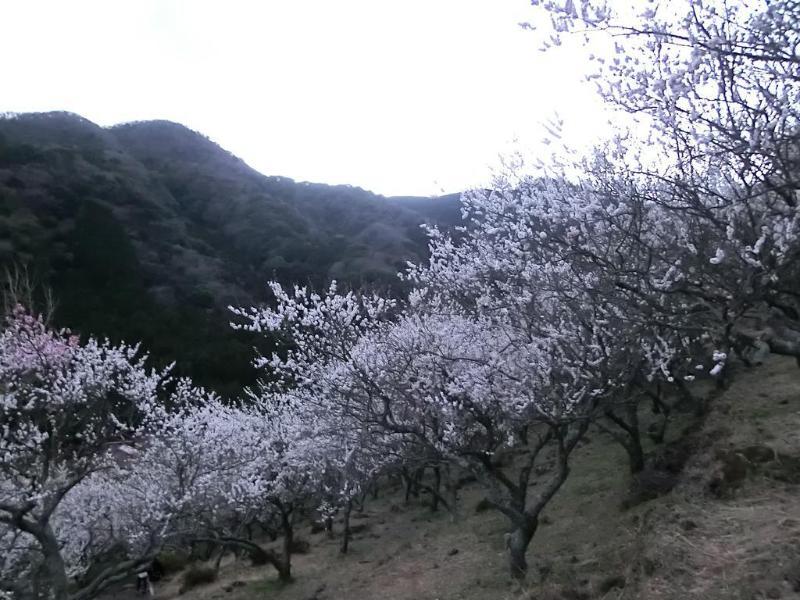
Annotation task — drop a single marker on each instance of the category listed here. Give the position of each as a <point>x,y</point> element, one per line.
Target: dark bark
<point>53,562</point>
<point>523,512</point>
<point>435,491</point>
<point>375,489</point>
<point>663,410</point>
<point>53,568</point>
<point>451,487</point>
<point>627,434</point>
<point>346,528</point>
<point>437,486</point>
<point>518,542</point>
<point>218,561</point>
<point>285,570</point>
<point>412,483</point>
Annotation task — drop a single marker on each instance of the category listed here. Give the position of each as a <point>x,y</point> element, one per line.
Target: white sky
<point>399,97</point>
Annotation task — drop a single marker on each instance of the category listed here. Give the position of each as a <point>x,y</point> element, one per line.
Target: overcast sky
<point>411,97</point>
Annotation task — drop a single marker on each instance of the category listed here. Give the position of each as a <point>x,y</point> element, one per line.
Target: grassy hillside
<point>728,529</point>
<point>148,231</point>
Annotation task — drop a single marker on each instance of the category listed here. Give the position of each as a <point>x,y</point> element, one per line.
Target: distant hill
<point>148,230</point>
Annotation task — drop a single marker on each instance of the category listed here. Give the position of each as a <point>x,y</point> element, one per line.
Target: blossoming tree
<point>64,406</point>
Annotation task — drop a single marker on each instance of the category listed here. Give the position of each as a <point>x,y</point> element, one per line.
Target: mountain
<point>149,230</point>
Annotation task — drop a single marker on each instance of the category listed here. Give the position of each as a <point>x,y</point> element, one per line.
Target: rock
<point>453,552</point>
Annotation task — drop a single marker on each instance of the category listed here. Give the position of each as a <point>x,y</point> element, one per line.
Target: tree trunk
<point>375,489</point>
<point>437,487</point>
<point>661,429</point>
<point>56,571</point>
<point>517,544</point>
<point>285,572</point>
<point>629,437</point>
<point>408,478</point>
<point>635,453</point>
<point>450,485</point>
<point>218,561</point>
<point>346,527</point>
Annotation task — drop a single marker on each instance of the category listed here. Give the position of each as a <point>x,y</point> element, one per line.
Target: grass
<point>264,587</point>
<point>683,546</point>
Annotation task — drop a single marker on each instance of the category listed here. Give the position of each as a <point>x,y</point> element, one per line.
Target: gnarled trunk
<point>517,544</point>
<point>53,563</point>
<point>627,434</point>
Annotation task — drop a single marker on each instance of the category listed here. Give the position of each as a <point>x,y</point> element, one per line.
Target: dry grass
<point>746,544</point>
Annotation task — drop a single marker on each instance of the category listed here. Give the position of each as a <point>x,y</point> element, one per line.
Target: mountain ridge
<point>148,230</point>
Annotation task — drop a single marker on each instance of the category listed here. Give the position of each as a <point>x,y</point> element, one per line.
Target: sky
<point>417,97</point>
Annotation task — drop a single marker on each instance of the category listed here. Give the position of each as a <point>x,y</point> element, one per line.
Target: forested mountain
<point>147,231</point>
